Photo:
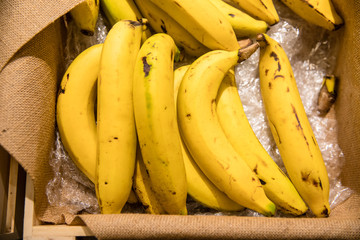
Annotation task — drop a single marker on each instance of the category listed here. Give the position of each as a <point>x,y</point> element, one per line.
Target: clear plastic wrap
<point>312,52</point>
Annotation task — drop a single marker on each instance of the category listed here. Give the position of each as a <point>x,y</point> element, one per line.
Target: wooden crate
<point>17,216</point>
<point>12,194</point>
<point>34,229</point>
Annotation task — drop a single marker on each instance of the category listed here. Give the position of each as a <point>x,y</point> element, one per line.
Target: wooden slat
<point>61,231</point>
<point>11,203</point>
<point>4,186</point>
<point>29,209</point>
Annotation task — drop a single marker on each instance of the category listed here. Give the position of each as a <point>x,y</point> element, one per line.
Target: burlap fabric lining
<point>31,63</point>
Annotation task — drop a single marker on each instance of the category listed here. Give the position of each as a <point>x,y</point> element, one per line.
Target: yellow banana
<point>243,24</point>
<point>260,9</point>
<point>116,145</point>
<point>85,16</point>
<point>116,10</point>
<point>236,126</point>
<point>156,125</point>
<point>75,110</point>
<point>161,22</point>
<point>319,12</point>
<point>132,198</point>
<point>142,187</point>
<point>290,127</point>
<point>203,21</point>
<point>200,187</point>
<point>204,137</point>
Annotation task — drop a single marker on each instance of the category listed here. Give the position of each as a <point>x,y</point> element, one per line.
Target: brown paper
<point>31,67</point>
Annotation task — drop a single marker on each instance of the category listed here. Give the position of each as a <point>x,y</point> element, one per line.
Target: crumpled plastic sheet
<point>312,52</point>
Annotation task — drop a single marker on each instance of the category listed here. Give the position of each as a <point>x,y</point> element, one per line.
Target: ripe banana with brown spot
<point>290,127</point>
<point>156,123</point>
<point>116,141</point>
<point>85,16</point>
<point>203,21</point>
<point>243,24</point>
<point>75,109</point>
<point>259,9</point>
<point>161,22</point>
<point>237,128</point>
<point>199,186</point>
<point>204,137</point>
<point>319,12</point>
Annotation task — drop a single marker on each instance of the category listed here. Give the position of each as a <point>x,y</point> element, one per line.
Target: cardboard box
<point>31,66</point>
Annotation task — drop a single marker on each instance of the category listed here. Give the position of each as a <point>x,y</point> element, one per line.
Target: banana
<point>290,127</point>
<point>200,188</point>
<point>155,118</point>
<point>116,141</point>
<point>204,137</point>
<point>327,94</point>
<point>236,126</point>
<point>142,187</point>
<point>116,10</point>
<point>85,16</point>
<point>243,24</point>
<point>75,109</point>
<point>319,12</point>
<point>203,21</point>
<point>132,198</point>
<point>260,9</point>
<point>161,22</point>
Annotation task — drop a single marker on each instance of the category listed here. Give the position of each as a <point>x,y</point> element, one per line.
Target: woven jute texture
<point>31,63</point>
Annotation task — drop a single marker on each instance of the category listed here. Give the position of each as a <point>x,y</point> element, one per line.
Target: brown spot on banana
<point>263,4</point>
<point>163,26</point>
<point>274,55</point>
<point>213,106</point>
<point>278,76</point>
<point>325,212</point>
<point>146,66</point>
<point>62,89</point>
<point>262,182</point>
<point>275,131</point>
<point>305,176</point>
<point>255,169</point>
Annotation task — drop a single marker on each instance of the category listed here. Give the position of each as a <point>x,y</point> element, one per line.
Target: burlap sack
<point>31,63</point>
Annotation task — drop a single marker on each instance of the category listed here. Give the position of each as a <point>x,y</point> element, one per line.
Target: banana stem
<point>246,52</point>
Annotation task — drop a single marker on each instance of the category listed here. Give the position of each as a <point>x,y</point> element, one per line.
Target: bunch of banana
<point>156,124</point>
<point>202,20</point>
<point>203,134</point>
<point>85,16</point>
<point>236,126</point>
<point>116,10</point>
<point>200,188</point>
<point>259,9</point>
<point>319,12</point>
<point>290,127</point>
<point>116,141</point>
